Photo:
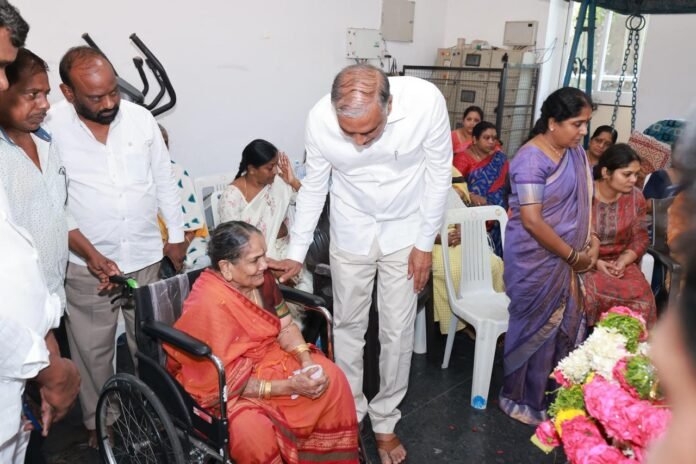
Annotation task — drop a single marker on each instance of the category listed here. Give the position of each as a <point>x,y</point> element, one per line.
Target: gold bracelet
<point>570,255</point>
<point>301,348</point>
<point>267,390</point>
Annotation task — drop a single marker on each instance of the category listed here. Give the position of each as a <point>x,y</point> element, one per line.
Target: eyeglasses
<point>66,181</point>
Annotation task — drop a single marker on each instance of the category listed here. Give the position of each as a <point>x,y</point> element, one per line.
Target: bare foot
<point>390,449</point>
<point>92,439</point>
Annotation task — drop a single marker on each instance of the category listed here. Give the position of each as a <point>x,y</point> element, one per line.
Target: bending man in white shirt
<point>385,144</point>
<point>119,173</point>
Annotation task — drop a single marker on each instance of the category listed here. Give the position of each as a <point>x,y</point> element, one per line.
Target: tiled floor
<point>437,425</point>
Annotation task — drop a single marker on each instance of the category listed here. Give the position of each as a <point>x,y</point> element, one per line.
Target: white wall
<point>241,69</point>
<point>667,85</point>
<point>475,19</point>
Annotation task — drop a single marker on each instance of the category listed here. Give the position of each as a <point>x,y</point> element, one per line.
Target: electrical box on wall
<point>397,20</point>
<point>364,44</point>
<point>520,33</point>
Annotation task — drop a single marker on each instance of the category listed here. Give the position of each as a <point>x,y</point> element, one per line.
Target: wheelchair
<point>151,418</point>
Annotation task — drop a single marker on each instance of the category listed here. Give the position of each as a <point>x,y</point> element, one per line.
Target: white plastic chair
<point>208,184</point>
<point>420,345</point>
<point>214,205</point>
<point>476,302</point>
<point>205,186</point>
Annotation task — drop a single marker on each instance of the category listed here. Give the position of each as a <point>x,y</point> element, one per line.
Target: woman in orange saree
<point>286,402</point>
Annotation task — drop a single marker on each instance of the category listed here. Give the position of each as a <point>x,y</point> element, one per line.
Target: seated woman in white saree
<point>261,194</point>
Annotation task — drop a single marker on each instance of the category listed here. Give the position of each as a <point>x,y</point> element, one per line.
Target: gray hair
<point>228,240</point>
<point>357,87</point>
<point>11,20</point>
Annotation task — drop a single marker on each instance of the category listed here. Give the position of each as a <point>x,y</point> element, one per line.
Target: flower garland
<point>609,408</point>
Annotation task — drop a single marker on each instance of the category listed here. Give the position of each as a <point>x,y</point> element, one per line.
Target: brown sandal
<point>387,445</point>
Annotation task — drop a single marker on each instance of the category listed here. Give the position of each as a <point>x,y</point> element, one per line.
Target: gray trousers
<point>91,327</point>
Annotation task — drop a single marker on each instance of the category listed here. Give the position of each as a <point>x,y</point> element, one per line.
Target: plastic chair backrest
<point>475,249</point>
<point>208,184</point>
<point>214,205</point>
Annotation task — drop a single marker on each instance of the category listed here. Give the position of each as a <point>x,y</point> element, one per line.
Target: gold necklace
<point>601,196</point>
<point>475,151</point>
<point>557,153</point>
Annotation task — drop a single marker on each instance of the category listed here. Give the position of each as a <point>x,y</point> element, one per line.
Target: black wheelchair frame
<point>151,418</point>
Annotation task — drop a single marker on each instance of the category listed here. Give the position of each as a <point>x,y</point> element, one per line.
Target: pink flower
<point>624,417</point>
<point>583,444</point>
<point>546,433</point>
<point>560,379</point>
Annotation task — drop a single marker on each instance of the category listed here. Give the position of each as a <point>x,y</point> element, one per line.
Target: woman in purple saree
<point>547,243</point>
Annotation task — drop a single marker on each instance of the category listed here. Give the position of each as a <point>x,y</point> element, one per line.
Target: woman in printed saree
<point>286,402</point>
<point>547,243</point>
<point>619,219</point>
<point>602,138</point>
<point>261,195</point>
<point>462,137</point>
<point>485,168</point>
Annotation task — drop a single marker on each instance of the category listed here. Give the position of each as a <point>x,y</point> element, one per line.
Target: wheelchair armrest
<point>322,270</point>
<point>298,296</point>
<point>176,338</point>
<point>664,259</point>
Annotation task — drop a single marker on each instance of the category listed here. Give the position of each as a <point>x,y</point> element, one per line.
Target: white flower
<point>575,367</point>
<point>604,348</point>
<point>643,348</point>
<point>599,353</point>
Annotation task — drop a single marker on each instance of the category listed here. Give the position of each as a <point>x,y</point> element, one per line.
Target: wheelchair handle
<point>122,280</point>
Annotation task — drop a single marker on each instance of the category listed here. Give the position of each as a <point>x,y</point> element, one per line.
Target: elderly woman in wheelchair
<point>286,402</point>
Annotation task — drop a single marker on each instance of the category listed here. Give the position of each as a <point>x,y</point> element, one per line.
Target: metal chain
<point>633,40</point>
<point>634,89</point>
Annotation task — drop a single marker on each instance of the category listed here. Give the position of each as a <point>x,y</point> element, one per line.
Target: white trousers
<point>14,449</point>
<point>353,278</point>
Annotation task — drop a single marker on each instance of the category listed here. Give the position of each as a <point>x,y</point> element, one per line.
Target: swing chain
<point>634,24</point>
<point>634,89</point>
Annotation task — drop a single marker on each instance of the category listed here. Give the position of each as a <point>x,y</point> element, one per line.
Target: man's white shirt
<point>115,189</point>
<point>395,189</point>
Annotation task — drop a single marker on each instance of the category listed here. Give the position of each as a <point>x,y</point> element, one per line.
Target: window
<point>611,37</point>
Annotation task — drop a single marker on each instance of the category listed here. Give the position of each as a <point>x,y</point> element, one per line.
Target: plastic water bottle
<point>299,169</point>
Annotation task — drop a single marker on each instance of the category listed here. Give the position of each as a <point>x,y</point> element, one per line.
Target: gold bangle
<point>267,390</point>
<point>301,348</point>
<point>570,255</point>
<point>260,392</point>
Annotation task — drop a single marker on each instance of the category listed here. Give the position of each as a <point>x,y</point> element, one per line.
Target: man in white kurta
<point>386,146</point>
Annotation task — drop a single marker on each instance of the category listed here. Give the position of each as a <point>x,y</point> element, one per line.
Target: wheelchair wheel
<point>132,425</point>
